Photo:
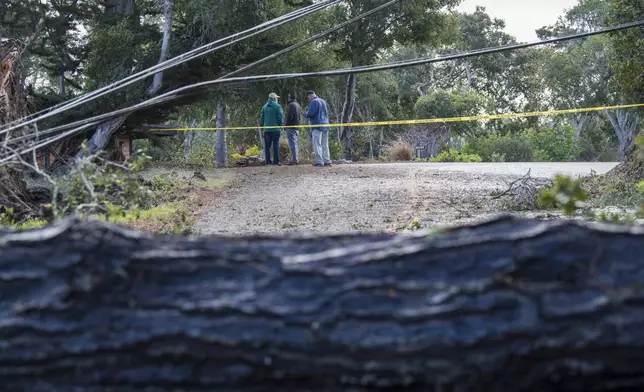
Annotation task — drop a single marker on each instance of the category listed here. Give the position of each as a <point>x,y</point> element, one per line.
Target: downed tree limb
<point>508,305</point>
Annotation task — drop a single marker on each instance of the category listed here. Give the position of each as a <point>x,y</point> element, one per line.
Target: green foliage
<point>94,187</point>
<point>335,148</point>
<point>161,149</point>
<point>495,147</point>
<point>640,187</point>
<point>546,145</point>
<point>554,145</point>
<point>446,104</point>
<point>565,193</point>
<point>451,155</point>
<point>168,218</point>
<point>7,220</point>
<point>203,154</point>
<point>420,21</point>
<point>628,62</point>
<point>253,151</point>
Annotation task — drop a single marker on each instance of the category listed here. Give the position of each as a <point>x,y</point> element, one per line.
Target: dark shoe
<point>293,163</point>
<point>269,164</point>
<point>328,164</point>
<point>318,164</point>
<point>277,164</point>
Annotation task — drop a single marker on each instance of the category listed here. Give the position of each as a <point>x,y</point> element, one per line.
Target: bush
<point>94,186</point>
<point>400,152</point>
<point>547,145</point>
<point>451,155</point>
<point>253,151</point>
<point>335,148</point>
<point>554,145</point>
<point>496,148</point>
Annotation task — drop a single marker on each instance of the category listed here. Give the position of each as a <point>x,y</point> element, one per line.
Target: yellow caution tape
<point>421,121</point>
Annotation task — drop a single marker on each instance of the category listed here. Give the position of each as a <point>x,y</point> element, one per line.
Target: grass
<point>167,218</point>
<point>213,183</point>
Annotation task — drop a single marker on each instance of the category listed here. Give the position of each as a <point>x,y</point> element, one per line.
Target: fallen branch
<point>506,305</point>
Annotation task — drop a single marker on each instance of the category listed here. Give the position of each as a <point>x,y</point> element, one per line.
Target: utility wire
<point>299,44</point>
<point>83,124</point>
<point>198,52</point>
<point>158,67</point>
<point>309,40</point>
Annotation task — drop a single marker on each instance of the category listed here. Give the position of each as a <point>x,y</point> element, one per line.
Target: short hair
<point>310,92</point>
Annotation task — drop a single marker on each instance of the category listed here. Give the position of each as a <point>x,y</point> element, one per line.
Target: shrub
<point>546,145</point>
<point>400,152</point>
<point>92,186</point>
<point>203,154</point>
<point>554,145</point>
<point>565,193</point>
<point>451,155</point>
<point>496,148</point>
<point>253,151</point>
<point>335,148</point>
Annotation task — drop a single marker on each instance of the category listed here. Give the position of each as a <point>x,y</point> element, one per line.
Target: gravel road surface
<point>374,197</point>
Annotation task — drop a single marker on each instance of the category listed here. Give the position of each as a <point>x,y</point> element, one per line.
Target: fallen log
<point>506,305</point>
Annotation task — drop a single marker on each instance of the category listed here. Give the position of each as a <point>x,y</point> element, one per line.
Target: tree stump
<point>505,305</point>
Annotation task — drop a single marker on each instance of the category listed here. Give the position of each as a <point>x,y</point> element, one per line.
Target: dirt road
<point>379,197</point>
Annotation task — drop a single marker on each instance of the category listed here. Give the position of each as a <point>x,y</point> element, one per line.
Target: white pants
<point>321,146</point>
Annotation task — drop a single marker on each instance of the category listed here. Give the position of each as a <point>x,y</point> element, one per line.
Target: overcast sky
<point>522,17</point>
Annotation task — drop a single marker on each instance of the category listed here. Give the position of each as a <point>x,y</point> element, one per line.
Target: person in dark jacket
<point>293,113</point>
<point>272,116</point>
<point>318,116</point>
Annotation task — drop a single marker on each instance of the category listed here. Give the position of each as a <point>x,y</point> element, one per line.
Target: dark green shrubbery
<point>545,145</point>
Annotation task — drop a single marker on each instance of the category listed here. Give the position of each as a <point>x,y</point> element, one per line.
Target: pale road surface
<point>373,197</point>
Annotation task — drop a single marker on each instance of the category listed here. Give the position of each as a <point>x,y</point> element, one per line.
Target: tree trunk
<point>579,122</point>
<point>189,141</point>
<point>221,147</point>
<point>61,84</point>
<point>347,115</point>
<point>105,130</point>
<point>625,125</point>
<point>508,305</point>
<point>101,136</point>
<point>167,31</point>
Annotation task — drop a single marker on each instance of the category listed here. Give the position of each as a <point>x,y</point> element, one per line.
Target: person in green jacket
<point>272,115</point>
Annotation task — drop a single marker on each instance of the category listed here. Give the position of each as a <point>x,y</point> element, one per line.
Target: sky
<point>522,17</point>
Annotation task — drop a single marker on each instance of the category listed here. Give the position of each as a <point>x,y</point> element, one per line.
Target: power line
<point>198,52</point>
<point>308,40</point>
<point>83,124</point>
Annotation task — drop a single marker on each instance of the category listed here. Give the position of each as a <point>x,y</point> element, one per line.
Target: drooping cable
<point>195,53</point>
<point>83,124</point>
<point>308,40</point>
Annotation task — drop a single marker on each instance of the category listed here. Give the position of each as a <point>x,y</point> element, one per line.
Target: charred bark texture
<point>507,305</point>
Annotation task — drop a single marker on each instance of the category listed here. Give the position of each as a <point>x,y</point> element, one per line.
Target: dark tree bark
<point>508,305</point>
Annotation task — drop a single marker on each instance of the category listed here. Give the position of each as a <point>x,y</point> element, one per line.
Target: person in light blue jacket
<point>317,113</point>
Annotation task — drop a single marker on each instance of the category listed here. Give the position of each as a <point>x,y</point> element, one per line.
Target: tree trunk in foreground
<point>508,305</point>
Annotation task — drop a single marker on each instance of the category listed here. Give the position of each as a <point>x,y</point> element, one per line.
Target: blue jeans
<point>291,135</point>
<point>321,146</point>
<point>272,139</point>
